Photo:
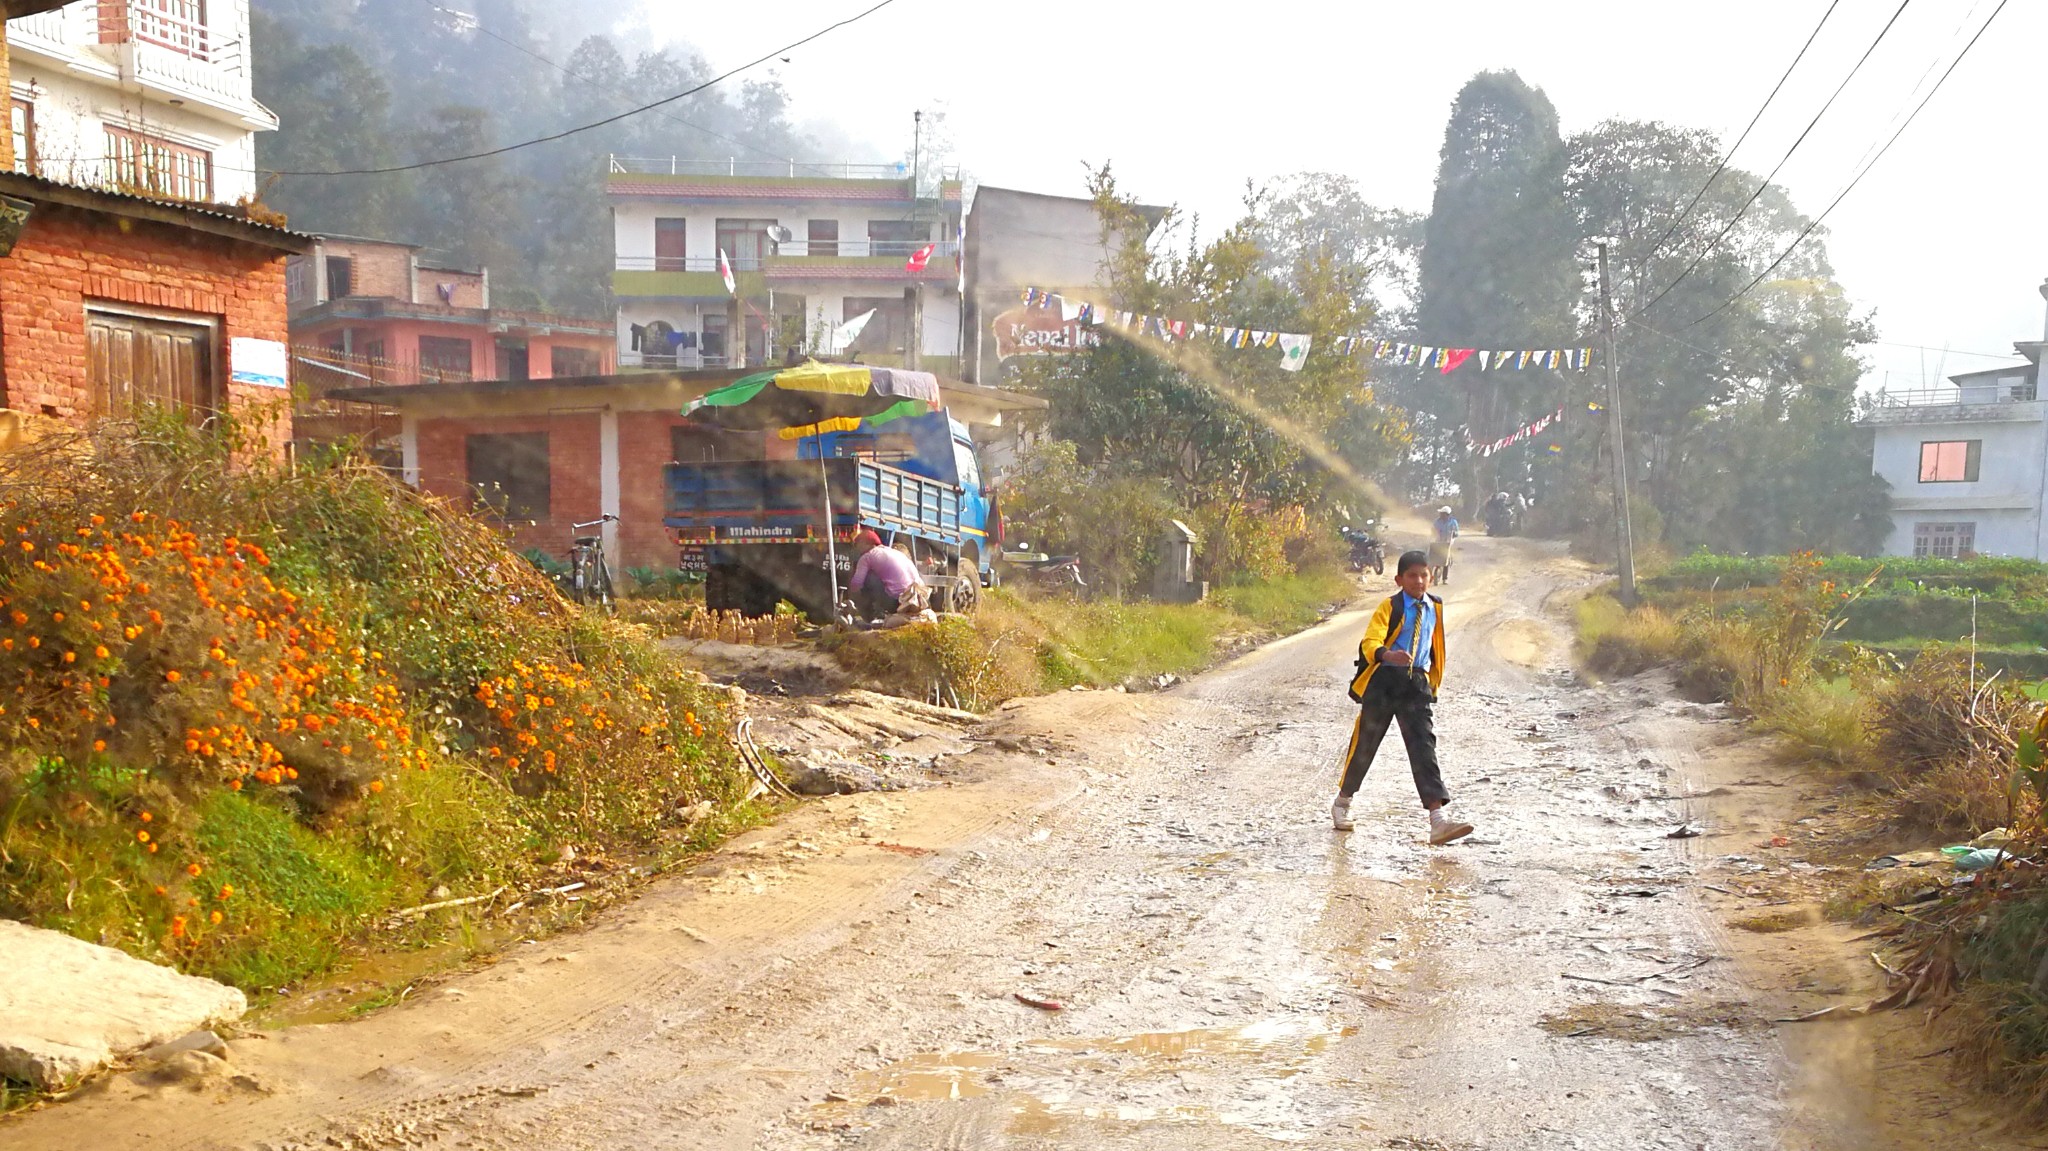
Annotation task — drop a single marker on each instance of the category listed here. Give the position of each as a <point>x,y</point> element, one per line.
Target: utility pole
<point>1624,535</point>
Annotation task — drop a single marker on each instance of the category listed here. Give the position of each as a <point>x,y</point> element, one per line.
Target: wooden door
<point>137,362</point>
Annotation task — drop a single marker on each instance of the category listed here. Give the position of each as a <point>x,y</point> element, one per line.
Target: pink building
<point>372,311</point>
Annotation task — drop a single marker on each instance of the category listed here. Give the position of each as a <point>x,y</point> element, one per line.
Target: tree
<point>1740,410</point>
<point>333,113</point>
<point>1499,266</point>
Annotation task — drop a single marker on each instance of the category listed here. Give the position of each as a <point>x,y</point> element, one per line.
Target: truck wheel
<point>966,594</point>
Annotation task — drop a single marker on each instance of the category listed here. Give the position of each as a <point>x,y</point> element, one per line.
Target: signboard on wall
<point>264,363</point>
<point>1026,331</point>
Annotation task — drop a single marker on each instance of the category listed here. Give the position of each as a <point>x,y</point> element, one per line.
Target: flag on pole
<point>732,287</point>
<point>920,258</point>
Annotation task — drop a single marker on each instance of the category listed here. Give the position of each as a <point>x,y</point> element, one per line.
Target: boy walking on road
<point>1400,667</point>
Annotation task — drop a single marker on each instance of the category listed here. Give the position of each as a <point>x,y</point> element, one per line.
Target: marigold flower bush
<point>245,708</point>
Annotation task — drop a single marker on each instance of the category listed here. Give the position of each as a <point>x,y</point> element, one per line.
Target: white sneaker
<point>1340,814</point>
<point>1443,829</point>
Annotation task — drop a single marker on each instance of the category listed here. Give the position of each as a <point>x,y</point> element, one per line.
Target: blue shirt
<point>1446,530</point>
<point>1417,632</point>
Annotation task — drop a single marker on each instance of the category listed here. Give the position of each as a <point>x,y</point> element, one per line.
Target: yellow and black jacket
<point>1381,632</point>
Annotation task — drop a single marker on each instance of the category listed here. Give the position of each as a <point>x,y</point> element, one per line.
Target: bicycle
<point>590,574</point>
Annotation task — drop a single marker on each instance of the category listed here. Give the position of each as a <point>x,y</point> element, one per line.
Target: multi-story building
<point>379,307</point>
<point>151,97</point>
<point>810,246</point>
<point>1968,465</point>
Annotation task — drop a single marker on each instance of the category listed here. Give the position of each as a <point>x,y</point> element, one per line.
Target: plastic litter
<point>1966,858</point>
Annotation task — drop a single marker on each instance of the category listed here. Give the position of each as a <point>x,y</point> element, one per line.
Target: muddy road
<point>1232,972</point>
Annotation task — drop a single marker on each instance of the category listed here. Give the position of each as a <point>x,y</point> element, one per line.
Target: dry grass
<point>1616,641</point>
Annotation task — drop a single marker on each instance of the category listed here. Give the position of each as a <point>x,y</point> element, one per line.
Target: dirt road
<point>1233,973</point>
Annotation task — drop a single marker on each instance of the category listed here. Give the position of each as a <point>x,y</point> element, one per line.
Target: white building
<point>1968,464</point>
<point>148,96</point>
<point>811,246</point>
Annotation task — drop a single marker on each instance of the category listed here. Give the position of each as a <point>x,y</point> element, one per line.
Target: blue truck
<point>758,529</point>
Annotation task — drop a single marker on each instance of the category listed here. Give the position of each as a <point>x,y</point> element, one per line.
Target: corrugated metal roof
<point>102,199</point>
<point>890,191</point>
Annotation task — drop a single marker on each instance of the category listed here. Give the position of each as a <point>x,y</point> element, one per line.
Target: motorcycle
<point>1366,549</point>
<point>1502,519</point>
<point>1046,572</point>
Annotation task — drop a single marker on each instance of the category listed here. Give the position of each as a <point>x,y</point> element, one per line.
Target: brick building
<point>561,451</point>
<point>380,309</point>
<point>109,300</point>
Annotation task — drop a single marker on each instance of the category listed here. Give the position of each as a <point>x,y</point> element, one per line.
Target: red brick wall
<point>645,449</point>
<point>379,269</point>
<point>572,470</point>
<point>67,258</point>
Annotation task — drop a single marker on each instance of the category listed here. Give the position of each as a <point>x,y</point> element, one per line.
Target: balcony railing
<point>54,28</point>
<point>784,169</point>
<point>2015,390</point>
<point>682,359</point>
<point>794,250</point>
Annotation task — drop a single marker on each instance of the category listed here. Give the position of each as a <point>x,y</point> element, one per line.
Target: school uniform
<point>1389,695</point>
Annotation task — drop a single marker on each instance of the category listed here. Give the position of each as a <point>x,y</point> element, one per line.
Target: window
<point>157,167</point>
<point>671,245</point>
<point>1950,461</point>
<point>824,238</point>
<point>1944,541</point>
<point>136,362</point>
<point>889,329</point>
<point>897,237</point>
<point>24,137</point>
<point>696,444</point>
<point>515,360</point>
<point>444,358</point>
<point>573,362</point>
<point>714,336</point>
<point>509,471</point>
<point>341,277</point>
<point>745,242</point>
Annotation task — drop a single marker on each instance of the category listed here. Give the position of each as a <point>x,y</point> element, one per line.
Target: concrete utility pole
<point>1624,535</point>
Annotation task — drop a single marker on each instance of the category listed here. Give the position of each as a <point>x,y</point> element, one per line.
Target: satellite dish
<point>780,234</point>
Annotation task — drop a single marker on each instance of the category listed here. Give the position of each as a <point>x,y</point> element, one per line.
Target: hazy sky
<point>1945,239</point>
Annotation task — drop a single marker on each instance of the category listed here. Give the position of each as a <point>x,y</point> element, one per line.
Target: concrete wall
<point>68,258</point>
<point>1018,240</point>
<point>2004,502</point>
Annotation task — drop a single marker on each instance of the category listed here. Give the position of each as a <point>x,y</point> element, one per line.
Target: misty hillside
<point>449,78</point>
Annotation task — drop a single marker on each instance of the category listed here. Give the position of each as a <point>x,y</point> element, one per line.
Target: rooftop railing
<point>2013,390</point>
<point>784,169</point>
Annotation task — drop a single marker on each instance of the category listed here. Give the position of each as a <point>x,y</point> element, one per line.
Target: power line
<point>1722,166</point>
<point>1858,178</point>
<point>607,120</point>
<point>1765,184</point>
<point>473,23</point>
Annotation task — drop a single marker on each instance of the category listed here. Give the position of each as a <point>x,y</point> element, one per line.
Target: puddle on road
<point>1118,1078</point>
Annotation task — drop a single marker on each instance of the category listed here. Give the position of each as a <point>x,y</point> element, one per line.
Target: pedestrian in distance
<point>1400,667</point>
<point>1444,533</point>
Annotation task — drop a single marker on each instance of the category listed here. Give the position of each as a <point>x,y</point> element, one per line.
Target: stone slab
<point>68,1007</point>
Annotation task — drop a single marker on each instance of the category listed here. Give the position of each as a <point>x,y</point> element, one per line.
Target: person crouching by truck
<point>885,580</point>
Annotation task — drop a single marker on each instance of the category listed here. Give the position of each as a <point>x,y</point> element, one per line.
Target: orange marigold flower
<point>142,837</point>
<point>70,657</point>
<point>216,918</point>
<point>101,745</point>
<point>227,891</point>
<point>234,785</point>
<point>147,817</point>
<point>376,786</point>
<point>27,546</point>
<point>193,869</point>
<point>173,676</point>
<point>58,616</point>
<point>178,926</point>
<point>100,651</point>
<point>20,618</point>
<point>191,745</point>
